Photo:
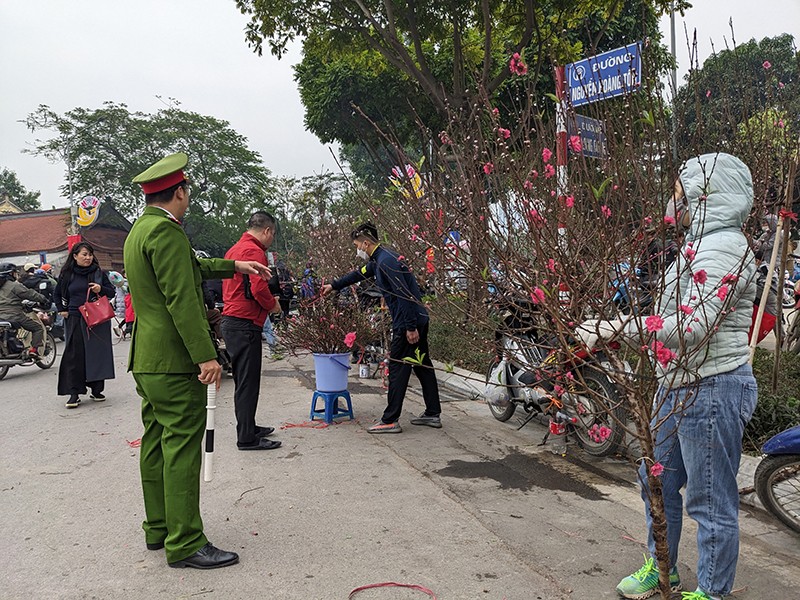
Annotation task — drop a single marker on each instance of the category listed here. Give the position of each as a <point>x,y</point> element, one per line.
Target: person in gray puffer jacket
<point>707,391</point>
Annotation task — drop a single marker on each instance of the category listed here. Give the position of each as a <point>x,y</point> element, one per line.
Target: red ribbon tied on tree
<point>787,214</point>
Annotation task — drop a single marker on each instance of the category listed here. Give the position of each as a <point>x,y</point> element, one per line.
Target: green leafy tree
<point>105,148</point>
<point>733,86</point>
<point>12,189</point>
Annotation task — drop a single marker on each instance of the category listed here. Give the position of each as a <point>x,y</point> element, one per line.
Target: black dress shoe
<point>155,546</point>
<point>263,431</point>
<point>260,444</point>
<point>208,557</point>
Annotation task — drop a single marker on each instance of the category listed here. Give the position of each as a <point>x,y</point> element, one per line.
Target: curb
<point>468,384</point>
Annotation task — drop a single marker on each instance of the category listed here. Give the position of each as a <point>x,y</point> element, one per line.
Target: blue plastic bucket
<point>331,371</point>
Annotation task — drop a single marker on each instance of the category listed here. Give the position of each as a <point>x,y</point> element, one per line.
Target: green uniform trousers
<point>174,416</point>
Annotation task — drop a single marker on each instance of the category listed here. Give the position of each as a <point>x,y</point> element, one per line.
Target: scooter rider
<point>12,293</point>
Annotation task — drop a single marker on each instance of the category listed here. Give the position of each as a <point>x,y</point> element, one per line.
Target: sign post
<point>607,75</point>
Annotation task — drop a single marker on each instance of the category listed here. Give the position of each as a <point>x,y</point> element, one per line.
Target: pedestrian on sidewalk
<point>708,393</point>
<point>173,359</point>
<point>88,357</point>
<point>409,328</point>
<point>248,303</point>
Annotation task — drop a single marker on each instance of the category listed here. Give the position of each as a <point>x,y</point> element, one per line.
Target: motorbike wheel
<point>598,403</point>
<point>777,483</point>
<point>3,371</point>
<point>49,358</point>
<point>787,299</point>
<point>501,413</point>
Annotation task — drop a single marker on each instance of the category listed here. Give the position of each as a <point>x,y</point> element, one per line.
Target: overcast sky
<point>70,53</point>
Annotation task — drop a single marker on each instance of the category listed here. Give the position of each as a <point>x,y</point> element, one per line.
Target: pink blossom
<point>549,171</point>
<point>663,354</point>
<point>553,193</point>
<point>700,277</point>
<point>559,390</point>
<point>414,237</point>
<point>551,265</point>
<point>350,339</point>
<point>575,144</point>
<point>730,278</point>
<point>669,220</point>
<point>495,111</point>
<point>606,211</point>
<point>766,64</point>
<point>444,138</point>
<point>708,93</point>
<point>504,133</point>
<point>569,201</point>
<point>333,326</point>
<point>537,219</point>
<point>781,85</point>
<point>401,257</point>
<point>415,228</point>
<point>527,185</point>
<point>687,310</point>
<point>780,123</point>
<point>689,330</point>
<point>534,174</point>
<point>488,168</point>
<point>722,293</point>
<point>569,374</point>
<point>657,469</point>
<point>648,221</point>
<point>537,295</point>
<point>517,66</point>
<point>654,323</point>
<point>547,154</point>
<point>690,254</point>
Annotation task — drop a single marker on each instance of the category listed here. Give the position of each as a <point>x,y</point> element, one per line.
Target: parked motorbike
<point>14,344</point>
<point>777,478</point>
<point>568,393</point>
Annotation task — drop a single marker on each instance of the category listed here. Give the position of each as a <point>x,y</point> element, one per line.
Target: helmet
<point>7,270</point>
<point>47,268</point>
<point>116,279</point>
<point>29,267</point>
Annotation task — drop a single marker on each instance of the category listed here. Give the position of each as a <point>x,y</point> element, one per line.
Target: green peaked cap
<point>164,174</point>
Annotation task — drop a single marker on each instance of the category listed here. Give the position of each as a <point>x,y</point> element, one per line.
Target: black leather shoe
<point>263,431</point>
<point>155,546</point>
<point>260,444</point>
<point>208,557</point>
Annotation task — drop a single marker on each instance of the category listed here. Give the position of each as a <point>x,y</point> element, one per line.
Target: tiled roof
<point>29,233</point>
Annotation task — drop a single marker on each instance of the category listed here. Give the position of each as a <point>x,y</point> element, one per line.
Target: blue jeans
<point>699,442</point>
<point>268,334</point>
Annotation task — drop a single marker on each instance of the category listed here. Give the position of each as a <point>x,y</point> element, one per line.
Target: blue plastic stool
<point>332,409</point>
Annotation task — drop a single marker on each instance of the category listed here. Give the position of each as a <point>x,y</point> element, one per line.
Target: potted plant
<point>329,329</point>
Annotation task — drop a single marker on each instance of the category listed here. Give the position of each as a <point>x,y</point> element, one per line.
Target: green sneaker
<point>698,594</point>
<point>644,582</point>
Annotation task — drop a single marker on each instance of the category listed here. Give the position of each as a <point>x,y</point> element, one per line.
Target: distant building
<point>7,206</point>
<point>41,237</point>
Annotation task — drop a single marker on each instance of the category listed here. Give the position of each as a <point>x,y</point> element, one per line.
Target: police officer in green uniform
<point>173,359</point>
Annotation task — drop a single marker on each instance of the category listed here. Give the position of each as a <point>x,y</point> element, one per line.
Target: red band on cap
<point>151,187</point>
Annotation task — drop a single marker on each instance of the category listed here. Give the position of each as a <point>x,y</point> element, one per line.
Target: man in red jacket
<point>248,303</point>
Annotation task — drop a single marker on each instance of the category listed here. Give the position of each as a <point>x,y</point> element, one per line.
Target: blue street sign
<point>604,76</point>
<point>592,133</point>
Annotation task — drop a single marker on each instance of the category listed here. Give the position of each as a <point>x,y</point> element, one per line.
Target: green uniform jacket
<point>171,332</point>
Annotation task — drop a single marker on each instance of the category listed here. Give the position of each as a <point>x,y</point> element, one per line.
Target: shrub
<point>775,411</point>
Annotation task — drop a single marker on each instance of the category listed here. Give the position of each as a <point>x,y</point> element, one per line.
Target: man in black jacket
<point>409,328</point>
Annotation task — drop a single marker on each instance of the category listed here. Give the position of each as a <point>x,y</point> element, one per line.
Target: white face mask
<point>361,254</point>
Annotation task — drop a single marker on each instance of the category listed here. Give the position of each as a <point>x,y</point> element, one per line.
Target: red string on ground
<point>411,586</point>
<point>135,443</point>
<point>308,424</point>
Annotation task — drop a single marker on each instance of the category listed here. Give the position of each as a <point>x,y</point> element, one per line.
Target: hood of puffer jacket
<point>719,191</point>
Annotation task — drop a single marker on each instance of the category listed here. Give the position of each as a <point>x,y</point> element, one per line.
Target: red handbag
<point>97,312</point>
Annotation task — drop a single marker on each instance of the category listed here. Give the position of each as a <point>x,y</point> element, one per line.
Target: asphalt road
<point>475,510</point>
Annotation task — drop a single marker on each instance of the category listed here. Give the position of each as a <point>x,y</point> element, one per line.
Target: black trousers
<point>243,342</point>
<point>400,373</point>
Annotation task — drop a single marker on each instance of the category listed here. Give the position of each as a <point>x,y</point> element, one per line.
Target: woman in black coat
<point>88,357</point>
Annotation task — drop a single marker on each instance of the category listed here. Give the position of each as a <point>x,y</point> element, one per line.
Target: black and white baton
<point>211,406</point>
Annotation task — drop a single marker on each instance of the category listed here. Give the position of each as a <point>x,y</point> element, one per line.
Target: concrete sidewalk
<point>475,510</point>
